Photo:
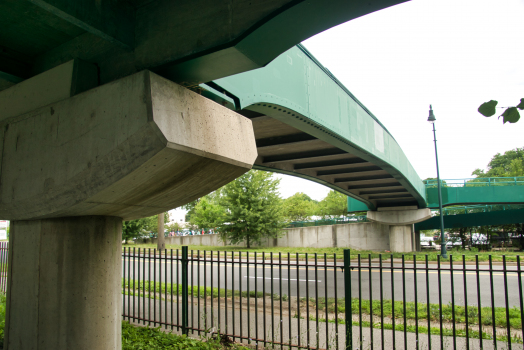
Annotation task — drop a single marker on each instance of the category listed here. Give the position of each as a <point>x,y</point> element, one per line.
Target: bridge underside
<point>285,149</point>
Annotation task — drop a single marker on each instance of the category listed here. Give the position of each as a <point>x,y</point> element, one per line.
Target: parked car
<point>427,243</point>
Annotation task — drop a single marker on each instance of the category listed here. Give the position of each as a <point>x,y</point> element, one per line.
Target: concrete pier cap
<point>78,160</point>
<point>400,221</point>
<point>399,215</point>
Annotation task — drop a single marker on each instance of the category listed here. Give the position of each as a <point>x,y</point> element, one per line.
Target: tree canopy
<point>137,228</point>
<point>510,114</point>
<point>335,204</point>
<point>253,209</point>
<point>509,164</point>
<point>299,207</point>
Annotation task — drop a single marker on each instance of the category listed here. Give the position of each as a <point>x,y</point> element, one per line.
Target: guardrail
<point>479,208</point>
<point>475,182</point>
<point>336,221</point>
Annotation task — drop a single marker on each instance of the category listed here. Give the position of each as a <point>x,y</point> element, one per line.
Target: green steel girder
<point>502,217</point>
<point>476,195</point>
<point>298,91</point>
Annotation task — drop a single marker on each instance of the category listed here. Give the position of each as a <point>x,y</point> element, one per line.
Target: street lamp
<point>443,251</point>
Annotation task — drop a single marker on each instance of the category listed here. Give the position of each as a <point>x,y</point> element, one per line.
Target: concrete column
<point>161,242</point>
<point>64,284</point>
<point>400,238</point>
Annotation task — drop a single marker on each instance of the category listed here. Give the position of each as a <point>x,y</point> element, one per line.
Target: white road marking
<point>286,279</point>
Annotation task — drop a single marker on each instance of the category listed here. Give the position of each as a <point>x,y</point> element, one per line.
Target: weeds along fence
<point>305,301</point>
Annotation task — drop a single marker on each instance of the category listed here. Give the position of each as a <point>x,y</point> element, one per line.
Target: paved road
<point>300,280</point>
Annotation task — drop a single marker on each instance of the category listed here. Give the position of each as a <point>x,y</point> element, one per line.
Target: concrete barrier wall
<point>362,236</point>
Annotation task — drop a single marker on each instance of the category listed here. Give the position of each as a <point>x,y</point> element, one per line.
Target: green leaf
<point>521,104</point>
<point>487,109</point>
<point>511,115</point>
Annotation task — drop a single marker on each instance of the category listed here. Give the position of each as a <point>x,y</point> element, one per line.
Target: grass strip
<point>511,256</point>
<point>387,307</point>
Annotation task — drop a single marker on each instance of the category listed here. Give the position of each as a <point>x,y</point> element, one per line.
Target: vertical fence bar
<point>290,336</point>
<point>178,287</point>
<point>240,291</point>
<point>317,334</point>
<point>326,299</point>
<point>307,304</point>
<point>492,302</point>
<point>160,286</point>
<point>192,279</point>
<point>466,305</point>
<point>264,296</point>
<point>428,305</point>
<point>144,287</point>
<point>347,299</point>
<point>370,303</point>
<point>198,291</point>
<point>165,288</point>
<point>506,299</point>
<point>134,286</point>
<point>272,300</point>
<point>138,278</point>
<point>519,279</point>
<point>249,299</point>
<point>336,300</point>
<point>298,301</point>
<point>452,281</point>
<point>233,292</point>
<point>359,301</point>
<point>219,327</point>
<point>225,292</point>
<point>256,299</point>
<point>280,293</point>
<point>479,303</point>
<point>404,301</point>
<point>124,281</point>
<point>154,287</point>
<point>185,286</point>
<point>205,291</point>
<point>439,284</point>
<point>393,304</point>
<point>381,287</point>
<point>171,291</point>
<point>212,271</point>
<point>415,284</point>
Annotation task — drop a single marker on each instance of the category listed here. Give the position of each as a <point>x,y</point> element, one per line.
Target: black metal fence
<point>324,302</point>
<point>303,301</point>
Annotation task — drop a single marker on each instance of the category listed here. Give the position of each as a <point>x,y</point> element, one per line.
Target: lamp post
<point>443,251</point>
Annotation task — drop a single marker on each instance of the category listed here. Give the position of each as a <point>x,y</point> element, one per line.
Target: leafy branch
<point>510,115</point>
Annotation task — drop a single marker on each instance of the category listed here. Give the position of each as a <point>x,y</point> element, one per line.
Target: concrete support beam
<point>63,289</point>
<point>400,238</point>
<point>399,215</point>
<point>132,148</point>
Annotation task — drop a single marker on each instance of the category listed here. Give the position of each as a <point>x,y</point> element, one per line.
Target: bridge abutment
<point>400,221</point>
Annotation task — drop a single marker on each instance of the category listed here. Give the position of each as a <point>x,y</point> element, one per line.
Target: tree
<point>509,164</point>
<point>208,213</point>
<point>298,207</point>
<point>510,115</point>
<point>333,205</point>
<point>134,229</point>
<point>253,209</point>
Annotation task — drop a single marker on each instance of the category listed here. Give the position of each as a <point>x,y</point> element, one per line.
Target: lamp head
<point>431,117</point>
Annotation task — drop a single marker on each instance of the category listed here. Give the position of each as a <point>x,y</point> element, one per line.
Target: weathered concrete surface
<point>131,148</point>
<point>54,85</point>
<point>399,215</point>
<point>64,284</point>
<point>362,236</point>
<point>401,238</point>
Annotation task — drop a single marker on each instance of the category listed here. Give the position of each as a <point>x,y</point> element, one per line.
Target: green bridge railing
<point>474,182</point>
<point>335,221</point>
<point>479,208</point>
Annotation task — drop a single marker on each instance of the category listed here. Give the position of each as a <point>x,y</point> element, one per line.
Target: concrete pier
<point>64,289</point>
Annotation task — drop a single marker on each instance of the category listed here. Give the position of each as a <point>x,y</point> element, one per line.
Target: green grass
<point>143,338</point>
<point>486,318</point>
<point>330,253</point>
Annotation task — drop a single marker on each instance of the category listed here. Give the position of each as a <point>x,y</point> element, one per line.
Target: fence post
<point>185,286</point>
<point>347,300</point>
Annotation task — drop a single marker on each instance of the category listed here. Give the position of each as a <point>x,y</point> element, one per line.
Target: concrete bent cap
<point>399,217</point>
<point>131,148</point>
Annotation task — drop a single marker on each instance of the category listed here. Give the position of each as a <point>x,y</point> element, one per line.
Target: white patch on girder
<point>379,137</point>
<point>289,60</point>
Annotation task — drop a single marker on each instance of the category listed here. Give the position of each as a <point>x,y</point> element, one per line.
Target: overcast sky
<point>453,54</point>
